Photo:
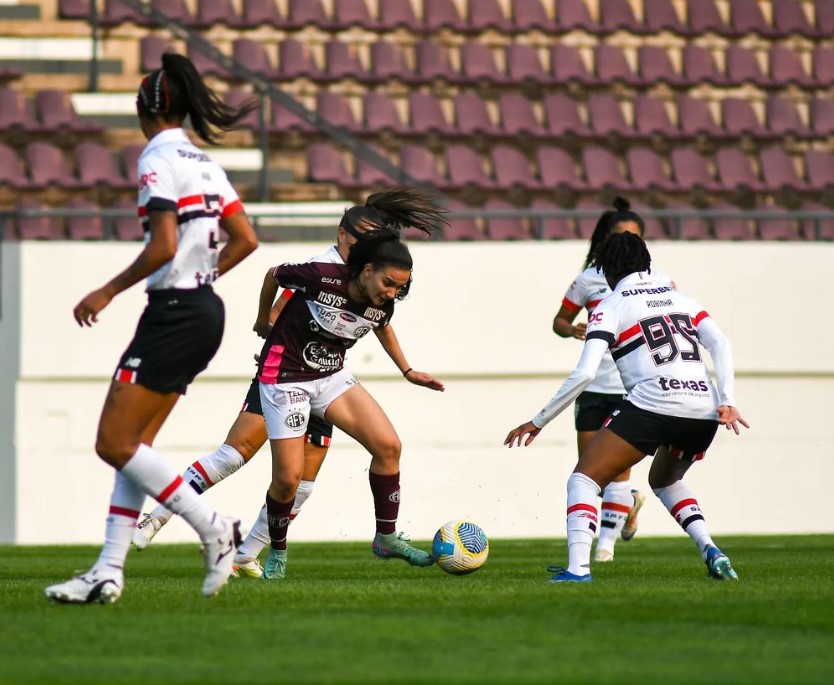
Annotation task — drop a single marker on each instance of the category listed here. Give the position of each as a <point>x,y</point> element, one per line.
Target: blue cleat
<point>719,566</point>
<point>562,575</point>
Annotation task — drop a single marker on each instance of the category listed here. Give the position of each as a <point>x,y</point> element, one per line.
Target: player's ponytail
<point>177,90</point>
<point>621,213</point>
<point>622,254</point>
<point>394,209</point>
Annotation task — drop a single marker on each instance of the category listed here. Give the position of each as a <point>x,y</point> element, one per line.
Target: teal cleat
<point>719,566</point>
<point>562,575</point>
<point>396,546</point>
<point>276,564</point>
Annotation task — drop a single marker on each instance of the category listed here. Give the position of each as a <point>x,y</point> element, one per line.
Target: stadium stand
<point>559,105</point>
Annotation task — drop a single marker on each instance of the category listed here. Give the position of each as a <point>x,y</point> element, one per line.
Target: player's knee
<point>114,450</point>
<point>388,451</point>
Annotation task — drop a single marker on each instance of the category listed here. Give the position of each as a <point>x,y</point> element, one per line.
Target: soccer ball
<point>460,547</point>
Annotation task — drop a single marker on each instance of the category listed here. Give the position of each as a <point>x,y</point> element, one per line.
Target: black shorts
<point>592,408</point>
<point>647,431</point>
<point>319,431</point>
<point>176,338</point>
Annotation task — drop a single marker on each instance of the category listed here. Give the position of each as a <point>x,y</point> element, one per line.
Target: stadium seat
<point>116,13</point>
<point>130,162</point>
<point>127,227</point>
<point>349,13</point>
<point>296,61</point>
<point>433,62</point>
<point>529,15</point>
<point>602,169</point>
<point>654,229</point>
<point>38,228</point>
<point>562,115</point>
<point>419,163</point>
<point>824,11</point>
<point>789,18</point>
<point>14,113</point>
<point>485,15</point>
<point>690,228</point>
<point>85,227</point>
<point>691,170</point>
<point>778,228</point>
<point>523,64</point>
<point>819,170</point>
<point>440,14</point>
<point>814,229</point>
<point>325,163</point>
<point>822,116</point>
<point>617,15</point>
<point>736,171</point>
<point>336,109</point>
<point>652,118</point>
<point>740,119</point>
<point>568,66</point>
<point>512,169</point>
<point>466,168</point>
<point>98,166</point>
<point>551,227</point>
<point>586,225</point>
<point>743,67</point>
<point>307,13</point>
<point>368,174</point>
<point>647,171</point>
<point>611,66</point>
<point>261,12</point>
<point>427,115</point>
<point>574,14</point>
<point>606,116</point>
<point>778,170</point>
<point>557,169</point>
<point>12,173</point>
<point>699,66</point>
<point>342,60</point>
<point>786,68</point>
<point>388,62</point>
<point>461,228</point>
<point>783,118</point>
<point>660,15</point>
<point>381,114</point>
<point>47,166</point>
<point>746,17</point>
<point>55,113</point>
<point>398,13</point>
<point>655,66</point>
<point>823,63</point>
<point>728,227</point>
<point>253,56</point>
<point>695,117</point>
<point>478,63</point>
<point>209,67</point>
<point>704,17</point>
<point>213,12</point>
<point>74,9</point>
<point>517,116</point>
<point>505,228</point>
<point>471,115</point>
<point>285,121</point>
<point>151,49</point>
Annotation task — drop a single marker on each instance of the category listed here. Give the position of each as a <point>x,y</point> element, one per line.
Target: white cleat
<point>248,568</point>
<point>630,527</point>
<point>219,555</point>
<point>145,531</point>
<point>603,555</point>
<point>88,588</point>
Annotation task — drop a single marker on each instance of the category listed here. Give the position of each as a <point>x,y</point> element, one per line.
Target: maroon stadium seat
<point>660,15</point>
<point>151,49</point>
<point>523,64</point>
<point>348,13</point>
<point>419,163</point>
<point>823,61</point>
<point>466,168</point>
<point>512,168</point>
<point>471,115</point>
<point>381,114</point>
<point>38,228</point>
<point>55,112</point>
<point>736,171</point>
<point>517,115</point>
<point>704,17</point>
<point>529,15</point>
<point>783,117</point>
<point>814,229</point>
<point>602,169</point>
<point>505,228</point>
<point>562,114</point>
<point>617,15</point>
<point>557,169</point>
<point>47,166</point>
<point>691,228</point>
<point>652,118</point>
<point>699,66</point>
<point>606,115</point>
<point>426,114</point>
<point>647,171</point>
<point>822,116</point>
<point>89,227</point>
<point>130,162</point>
<point>284,121</point>
<point>695,117</point>
<point>567,65</point>
<point>342,61</point>
<point>325,163</point>
<point>730,228</point>
<point>824,10</point>
<point>368,174</point>
<point>691,170</point>
<point>586,225</point>
<point>743,67</point>
<point>478,63</point>
<point>207,66</point>
<point>259,12</point>
<point>97,165</point>
<point>398,13</point>
<point>789,18</point>
<point>307,13</point>
<point>746,17</point>
<point>296,60</point>
<point>786,68</point>
<point>779,228</point>
<point>116,13</point>
<point>12,173</point>
<point>14,112</point>
<point>439,14</point>
<point>485,15</point>
<point>611,66</point>
<point>655,66</point>
<point>551,227</point>
<point>127,227</point>
<point>253,56</point>
<point>213,12</point>
<point>388,62</point>
<point>739,118</point>
<point>574,14</point>
<point>335,108</point>
<point>653,225</point>
<point>461,228</point>
<point>433,62</point>
<point>778,170</point>
<point>819,169</point>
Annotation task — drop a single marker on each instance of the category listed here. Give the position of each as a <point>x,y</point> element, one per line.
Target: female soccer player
<point>184,199</point>
<point>301,368</point>
<point>672,407</point>
<point>620,503</point>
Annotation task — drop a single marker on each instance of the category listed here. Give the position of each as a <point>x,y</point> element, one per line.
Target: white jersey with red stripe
<point>654,334</point>
<point>175,175</point>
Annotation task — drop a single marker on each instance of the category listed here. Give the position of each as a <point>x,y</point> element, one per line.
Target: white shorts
<point>287,406</point>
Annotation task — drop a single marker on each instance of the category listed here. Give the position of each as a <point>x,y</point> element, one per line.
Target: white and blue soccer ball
<point>460,547</point>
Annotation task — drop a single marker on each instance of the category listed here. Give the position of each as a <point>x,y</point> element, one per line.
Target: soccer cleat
<point>562,575</point>
<point>276,564</point>
<point>219,555</point>
<point>719,566</point>
<point>604,555</point>
<point>630,527</point>
<point>396,546</point>
<point>145,531</point>
<point>88,588</point>
<point>247,568</point>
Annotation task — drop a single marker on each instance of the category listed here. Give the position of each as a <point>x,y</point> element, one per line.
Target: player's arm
<point>388,339</point>
<point>242,238</point>
<point>278,306</point>
<point>563,325</point>
<point>719,348</point>
<point>269,290</point>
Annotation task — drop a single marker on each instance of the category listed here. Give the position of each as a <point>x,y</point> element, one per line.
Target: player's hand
<point>257,358</point>
<point>262,327</point>
<point>86,311</point>
<point>579,331</point>
<point>729,416</point>
<point>516,435</point>
<point>425,380</point>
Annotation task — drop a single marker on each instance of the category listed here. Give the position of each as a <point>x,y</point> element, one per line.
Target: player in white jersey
<point>302,371</point>
<point>672,407</point>
<point>620,503</point>
<point>184,201</point>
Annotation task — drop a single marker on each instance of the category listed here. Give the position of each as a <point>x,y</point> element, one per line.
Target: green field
<point>652,616</point>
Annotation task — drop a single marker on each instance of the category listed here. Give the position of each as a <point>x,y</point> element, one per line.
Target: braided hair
<point>622,254</point>
<point>395,209</point>
<point>177,90</point>
<point>621,213</point>
<point>379,247</point>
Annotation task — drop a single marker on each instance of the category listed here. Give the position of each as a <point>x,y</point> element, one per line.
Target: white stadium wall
<point>479,318</point>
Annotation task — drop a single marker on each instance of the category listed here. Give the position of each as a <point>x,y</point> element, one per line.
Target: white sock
<point>155,476</point>
<point>684,508</point>
<point>582,522</point>
<point>125,506</point>
<point>204,473</point>
<point>256,540</point>
<point>305,489</point>
<point>616,503</point>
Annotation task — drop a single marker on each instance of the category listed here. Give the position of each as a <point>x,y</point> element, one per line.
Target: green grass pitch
<point>652,616</point>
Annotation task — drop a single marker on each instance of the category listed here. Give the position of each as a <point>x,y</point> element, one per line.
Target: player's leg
<point>666,480</point>
<point>358,414</point>
<point>246,436</point>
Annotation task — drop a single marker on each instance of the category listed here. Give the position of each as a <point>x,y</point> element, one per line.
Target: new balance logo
<point>133,362</point>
